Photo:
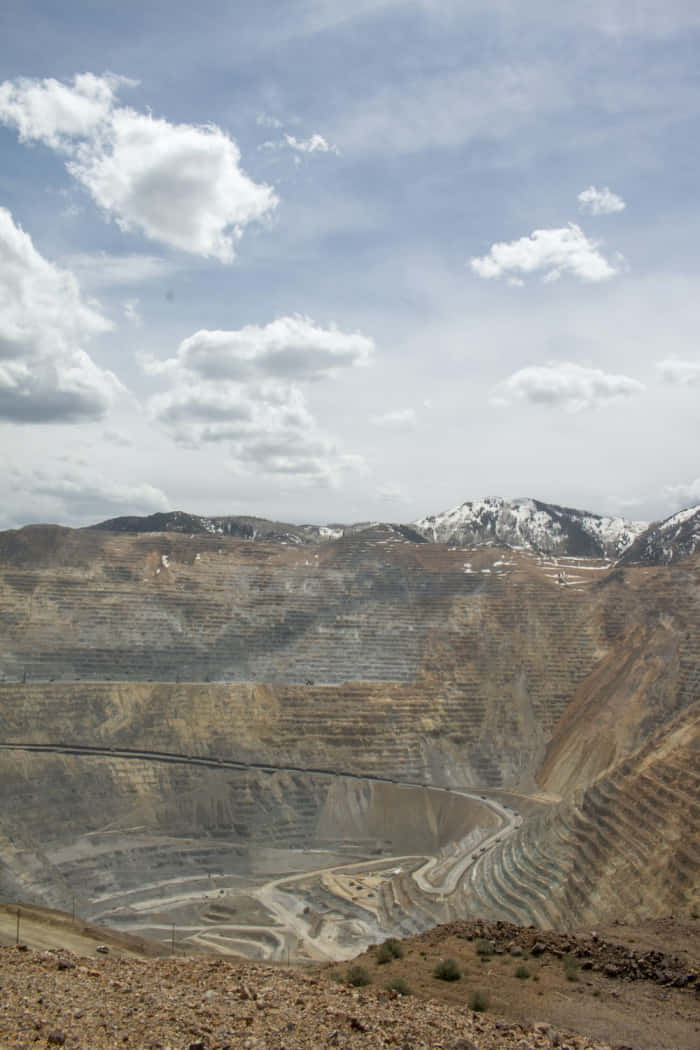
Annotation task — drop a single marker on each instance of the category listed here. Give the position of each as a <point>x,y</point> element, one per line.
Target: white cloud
<point>176,183</point>
<point>683,373</point>
<point>289,347</point>
<point>600,202</point>
<point>391,493</point>
<point>45,374</point>
<point>54,493</point>
<point>400,417</point>
<point>264,120</point>
<point>565,385</point>
<point>551,251</point>
<point>243,388</point>
<point>179,184</point>
<point>314,144</point>
<point>683,495</point>
<point>54,113</point>
<point>102,270</point>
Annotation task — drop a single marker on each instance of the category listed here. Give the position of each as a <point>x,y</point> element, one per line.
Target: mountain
<point>241,527</point>
<point>668,540</point>
<point>526,524</point>
<point>531,525</point>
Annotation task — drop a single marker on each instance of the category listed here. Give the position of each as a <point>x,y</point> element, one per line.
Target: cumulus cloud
<point>400,417</point>
<point>565,385</point>
<point>179,184</point>
<point>682,373</point>
<point>552,252</point>
<point>54,113</point>
<point>176,183</point>
<point>600,202</point>
<point>243,388</point>
<point>79,495</point>
<point>292,347</point>
<point>45,374</point>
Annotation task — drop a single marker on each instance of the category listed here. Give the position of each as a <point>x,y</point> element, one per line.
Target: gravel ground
<point>54,998</point>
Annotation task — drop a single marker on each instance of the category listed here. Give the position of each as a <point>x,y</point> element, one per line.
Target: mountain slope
<point>528,523</point>
<point>241,527</point>
<point>668,540</point>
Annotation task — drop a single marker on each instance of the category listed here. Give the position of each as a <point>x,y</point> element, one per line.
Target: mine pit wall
<point>625,847</point>
<point>446,666</point>
<point>99,828</point>
<point>420,670</point>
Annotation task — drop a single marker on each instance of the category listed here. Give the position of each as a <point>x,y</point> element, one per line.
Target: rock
<point>463,1044</point>
<point>56,1037</point>
<point>103,949</point>
<point>538,948</point>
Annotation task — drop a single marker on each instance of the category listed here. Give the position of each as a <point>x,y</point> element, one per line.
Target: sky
<point>331,261</point>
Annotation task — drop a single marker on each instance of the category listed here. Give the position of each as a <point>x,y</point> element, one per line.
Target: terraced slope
<point>626,846</point>
<point>368,655</point>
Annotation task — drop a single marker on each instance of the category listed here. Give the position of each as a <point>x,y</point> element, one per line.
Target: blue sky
<point>324,261</point>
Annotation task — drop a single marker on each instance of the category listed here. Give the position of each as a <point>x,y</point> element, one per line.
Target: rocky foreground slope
<point>54,999</point>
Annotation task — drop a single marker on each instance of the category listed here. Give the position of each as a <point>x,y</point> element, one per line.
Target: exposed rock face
<point>667,541</point>
<point>528,524</point>
<point>564,681</point>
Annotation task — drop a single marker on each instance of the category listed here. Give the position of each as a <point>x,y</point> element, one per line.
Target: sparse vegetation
<point>400,985</point>
<point>478,1001</point>
<point>447,970</point>
<point>522,973</point>
<point>484,947</point>
<point>358,977</point>
<point>390,949</point>
<point>571,967</point>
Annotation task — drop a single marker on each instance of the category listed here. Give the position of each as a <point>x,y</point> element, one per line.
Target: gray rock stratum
<point>294,748</point>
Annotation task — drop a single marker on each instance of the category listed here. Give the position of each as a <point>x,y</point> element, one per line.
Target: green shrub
<point>398,984</point>
<point>447,970</point>
<point>358,977</point>
<point>478,1001</point>
<point>390,949</point>
<point>484,947</point>
<point>570,967</point>
<point>522,973</point>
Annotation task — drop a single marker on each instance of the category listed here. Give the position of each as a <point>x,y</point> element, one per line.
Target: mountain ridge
<point>529,524</point>
<point>524,524</point>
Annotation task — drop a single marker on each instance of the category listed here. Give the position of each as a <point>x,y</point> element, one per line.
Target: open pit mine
<point>288,743</point>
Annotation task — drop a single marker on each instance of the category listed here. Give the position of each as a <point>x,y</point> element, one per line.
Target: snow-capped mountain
<point>668,540</point>
<point>532,525</point>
